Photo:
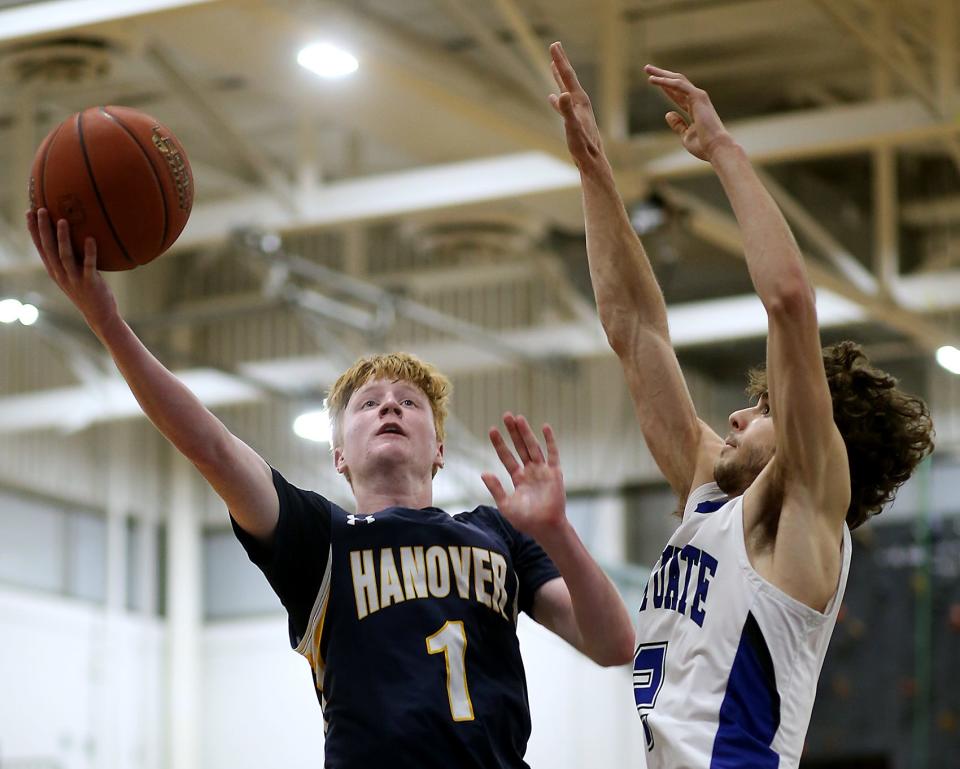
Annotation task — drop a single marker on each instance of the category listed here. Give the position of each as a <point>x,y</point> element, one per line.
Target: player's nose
<point>739,419</point>
<point>390,405</point>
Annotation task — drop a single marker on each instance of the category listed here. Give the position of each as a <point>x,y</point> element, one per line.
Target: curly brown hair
<point>887,432</point>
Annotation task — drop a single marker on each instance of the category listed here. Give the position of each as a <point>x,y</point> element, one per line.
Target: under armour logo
<point>352,519</point>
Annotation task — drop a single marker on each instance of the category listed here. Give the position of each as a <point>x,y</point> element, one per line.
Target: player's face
<point>388,425</point>
<point>749,447</point>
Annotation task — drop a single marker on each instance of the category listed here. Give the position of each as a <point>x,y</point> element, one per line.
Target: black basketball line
<point>96,190</point>
<point>156,173</point>
<point>43,168</point>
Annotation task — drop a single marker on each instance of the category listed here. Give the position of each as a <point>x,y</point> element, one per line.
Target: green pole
<point>923,619</point>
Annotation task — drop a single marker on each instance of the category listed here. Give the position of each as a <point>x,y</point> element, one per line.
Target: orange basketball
<point>116,175</point>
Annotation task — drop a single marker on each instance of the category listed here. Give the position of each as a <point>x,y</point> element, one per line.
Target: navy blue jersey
<point>408,619</point>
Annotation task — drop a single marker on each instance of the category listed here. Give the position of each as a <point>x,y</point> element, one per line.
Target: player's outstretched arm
<point>583,607</point>
<point>630,302</point>
<point>810,454</point>
<point>236,472</point>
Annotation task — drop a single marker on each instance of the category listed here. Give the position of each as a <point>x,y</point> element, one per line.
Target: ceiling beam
<point>613,72</point>
<point>497,49</point>
<point>827,245</point>
<point>721,228</point>
<point>531,46</point>
<point>820,132</point>
<point>696,323</point>
<point>42,18</point>
<point>202,105</point>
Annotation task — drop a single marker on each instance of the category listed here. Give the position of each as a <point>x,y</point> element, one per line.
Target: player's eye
<point>368,403</point>
<point>408,402</point>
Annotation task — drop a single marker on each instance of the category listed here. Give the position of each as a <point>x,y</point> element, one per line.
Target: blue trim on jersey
<point>710,505</point>
<point>750,713</point>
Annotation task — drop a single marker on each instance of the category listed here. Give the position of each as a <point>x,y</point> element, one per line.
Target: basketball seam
<point>43,169</point>
<point>96,191</point>
<point>156,174</point>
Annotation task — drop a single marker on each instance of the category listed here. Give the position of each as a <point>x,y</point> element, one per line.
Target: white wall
<point>81,688</point>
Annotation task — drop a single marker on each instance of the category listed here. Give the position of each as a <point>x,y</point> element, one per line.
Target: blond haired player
<point>406,614</point>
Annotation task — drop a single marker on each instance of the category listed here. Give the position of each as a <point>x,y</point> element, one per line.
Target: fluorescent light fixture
<point>327,60</point>
<point>10,310</point>
<point>314,426</point>
<point>28,314</point>
<point>948,356</point>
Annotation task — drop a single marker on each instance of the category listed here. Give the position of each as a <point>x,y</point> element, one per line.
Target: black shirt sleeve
<point>295,560</point>
<point>532,565</point>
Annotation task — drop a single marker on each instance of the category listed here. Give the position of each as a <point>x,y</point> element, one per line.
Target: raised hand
<point>573,105</point>
<point>82,283</point>
<point>537,505</point>
<point>705,131</point>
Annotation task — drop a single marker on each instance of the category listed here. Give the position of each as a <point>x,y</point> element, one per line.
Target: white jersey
<point>726,669</point>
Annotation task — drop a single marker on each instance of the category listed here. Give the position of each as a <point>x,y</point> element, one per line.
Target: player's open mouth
<point>391,428</point>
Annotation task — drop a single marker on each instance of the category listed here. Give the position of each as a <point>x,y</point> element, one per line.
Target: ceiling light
<point>28,314</point>
<point>10,310</point>
<point>314,426</point>
<point>327,60</point>
<point>948,356</point>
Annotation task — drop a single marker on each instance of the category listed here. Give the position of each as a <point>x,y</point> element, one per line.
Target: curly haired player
<point>738,612</point>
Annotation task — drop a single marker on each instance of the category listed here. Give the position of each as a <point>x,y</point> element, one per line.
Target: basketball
<point>118,176</point>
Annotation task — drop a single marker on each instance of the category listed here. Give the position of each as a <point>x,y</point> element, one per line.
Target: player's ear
<point>438,458</point>
<point>339,461</point>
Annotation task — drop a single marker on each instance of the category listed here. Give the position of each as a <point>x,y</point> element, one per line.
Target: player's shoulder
<point>487,518</point>
<point>293,496</point>
<point>704,498</point>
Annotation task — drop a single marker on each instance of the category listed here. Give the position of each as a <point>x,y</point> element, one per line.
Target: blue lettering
<point>673,580</point>
<point>691,555</point>
<point>708,568</point>
<point>659,577</point>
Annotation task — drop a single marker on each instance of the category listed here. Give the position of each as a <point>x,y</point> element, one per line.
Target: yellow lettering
<point>438,572</point>
<point>364,582</point>
<point>460,561</point>
<point>499,597</point>
<point>391,590</point>
<point>414,572</point>
<point>481,574</point>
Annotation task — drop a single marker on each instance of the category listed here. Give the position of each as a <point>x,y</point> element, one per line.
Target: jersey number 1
<point>451,641</point>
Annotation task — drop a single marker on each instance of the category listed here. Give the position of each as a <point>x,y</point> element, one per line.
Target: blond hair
<point>397,366</point>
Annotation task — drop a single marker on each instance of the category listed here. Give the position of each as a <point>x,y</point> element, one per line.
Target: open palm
<point>704,131</point>
<point>538,502</point>
<point>573,105</point>
<point>81,282</point>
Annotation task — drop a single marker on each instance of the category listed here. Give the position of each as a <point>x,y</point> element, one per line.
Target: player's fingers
<point>510,422</point>
<point>566,108</point>
<point>555,103</point>
<point>34,231</point>
<point>556,74</point>
<point>48,239</point>
<point>553,453</point>
<point>509,461</point>
<point>529,439</point>
<point>65,249</point>
<point>564,68</point>
<point>495,488</point>
<point>652,69</point>
<point>676,122</point>
<point>673,87</point>
<point>89,259</point>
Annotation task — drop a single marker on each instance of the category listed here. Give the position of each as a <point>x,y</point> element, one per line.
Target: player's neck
<point>392,490</point>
